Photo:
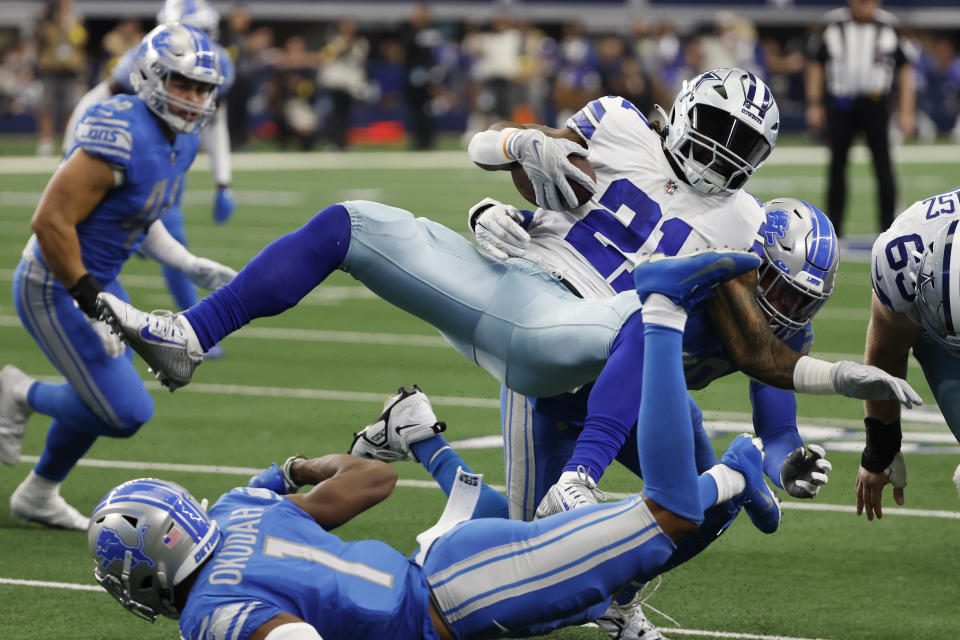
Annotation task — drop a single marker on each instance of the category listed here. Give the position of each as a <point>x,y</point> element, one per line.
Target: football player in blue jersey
<point>214,137</point>
<point>101,205</point>
<point>263,565</point>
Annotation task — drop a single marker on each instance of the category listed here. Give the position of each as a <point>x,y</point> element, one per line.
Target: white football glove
<point>497,229</point>
<point>544,159</point>
<point>866,382</point>
<point>804,471</point>
<point>111,341</point>
<point>208,274</point>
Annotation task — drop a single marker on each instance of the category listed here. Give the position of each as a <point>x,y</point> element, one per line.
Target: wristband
<point>85,292</point>
<point>883,443</point>
<point>489,147</point>
<point>292,487</point>
<point>814,376</point>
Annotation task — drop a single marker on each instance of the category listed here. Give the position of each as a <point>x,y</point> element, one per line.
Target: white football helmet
<point>938,293</point>
<point>799,269</point>
<point>146,537</point>
<point>722,126</point>
<point>196,13</point>
<point>176,49</point>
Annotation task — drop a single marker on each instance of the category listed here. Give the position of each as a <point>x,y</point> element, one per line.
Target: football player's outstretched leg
<point>276,279</point>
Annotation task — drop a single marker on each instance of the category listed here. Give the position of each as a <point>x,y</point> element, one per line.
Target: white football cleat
<point>14,412</point>
<point>165,340</point>
<point>956,478</point>
<point>407,418</point>
<point>46,508</point>
<point>628,622</point>
<point>573,490</point>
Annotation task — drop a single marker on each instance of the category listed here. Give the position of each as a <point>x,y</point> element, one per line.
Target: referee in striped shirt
<point>849,83</point>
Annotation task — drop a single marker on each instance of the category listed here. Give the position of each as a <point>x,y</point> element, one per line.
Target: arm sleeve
<point>775,422</point>
<point>216,142</point>
<point>159,245</point>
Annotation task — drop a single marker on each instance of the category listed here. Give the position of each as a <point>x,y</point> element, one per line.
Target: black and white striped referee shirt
<point>860,58</point>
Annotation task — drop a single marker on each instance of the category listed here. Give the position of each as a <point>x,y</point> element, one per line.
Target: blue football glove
<point>276,478</point>
<point>223,205</point>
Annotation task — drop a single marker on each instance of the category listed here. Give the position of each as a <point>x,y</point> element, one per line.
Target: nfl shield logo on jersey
<point>670,188</point>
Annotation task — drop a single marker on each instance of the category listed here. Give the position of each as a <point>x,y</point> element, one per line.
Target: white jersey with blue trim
<point>640,207</point>
<point>896,252</point>
<point>274,558</point>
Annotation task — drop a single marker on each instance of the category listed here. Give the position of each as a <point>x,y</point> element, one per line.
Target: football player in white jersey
<point>915,306</point>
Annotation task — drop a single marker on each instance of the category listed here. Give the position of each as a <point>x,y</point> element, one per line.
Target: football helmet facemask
<point>938,296</point>
<point>146,536</point>
<point>170,50</point>
<point>722,126</point>
<point>799,269</point>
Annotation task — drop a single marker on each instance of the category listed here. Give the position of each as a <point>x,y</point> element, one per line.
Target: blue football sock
<point>276,279</point>
<point>612,404</point>
<point>665,435</point>
<point>708,489</point>
<point>442,462</point>
<point>64,447</point>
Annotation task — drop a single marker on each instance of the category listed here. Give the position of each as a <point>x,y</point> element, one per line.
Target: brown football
<point>522,181</point>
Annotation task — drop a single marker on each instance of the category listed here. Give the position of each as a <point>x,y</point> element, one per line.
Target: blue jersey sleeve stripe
<point>112,122</point>
<point>583,124</point>
<point>598,111</point>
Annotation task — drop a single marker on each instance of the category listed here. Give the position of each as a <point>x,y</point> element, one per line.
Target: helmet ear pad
<point>723,125</point>
<point>937,298</point>
<point>800,261</point>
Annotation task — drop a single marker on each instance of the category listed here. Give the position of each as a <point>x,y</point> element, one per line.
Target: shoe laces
<point>168,329</point>
<point>646,592</point>
<point>576,490</point>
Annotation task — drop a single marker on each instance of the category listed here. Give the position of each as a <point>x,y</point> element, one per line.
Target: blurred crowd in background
<point>332,86</point>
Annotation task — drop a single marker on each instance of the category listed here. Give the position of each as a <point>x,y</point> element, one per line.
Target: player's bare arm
<point>889,338</point>
<point>740,322</point>
<point>345,486</point>
<point>70,196</point>
<point>890,335</point>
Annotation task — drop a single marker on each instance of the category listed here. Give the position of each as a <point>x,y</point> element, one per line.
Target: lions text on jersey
<point>896,252</point>
<point>124,133</point>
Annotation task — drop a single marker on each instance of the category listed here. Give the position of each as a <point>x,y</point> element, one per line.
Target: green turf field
<point>825,574</point>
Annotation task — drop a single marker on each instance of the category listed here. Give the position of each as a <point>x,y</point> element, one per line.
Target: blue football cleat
<point>690,278</point>
<point>745,454</point>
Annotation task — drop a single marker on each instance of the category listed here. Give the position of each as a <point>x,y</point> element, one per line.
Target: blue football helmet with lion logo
<point>177,49</point>
<point>799,269</point>
<point>146,537</point>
